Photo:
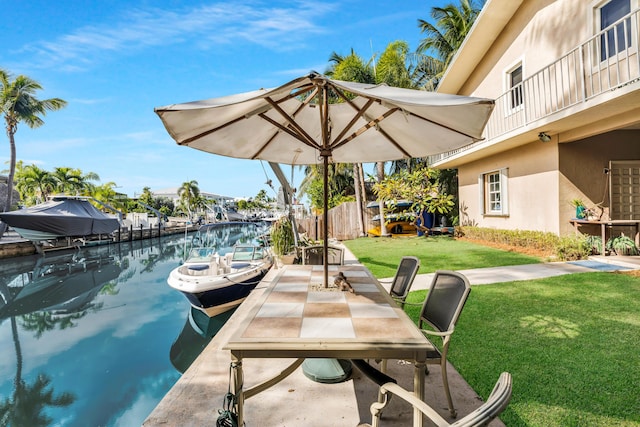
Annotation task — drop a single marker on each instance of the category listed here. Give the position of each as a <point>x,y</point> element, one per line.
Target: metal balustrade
<point>606,62</point>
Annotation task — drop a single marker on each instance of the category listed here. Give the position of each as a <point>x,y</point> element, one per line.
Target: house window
<point>494,192</point>
<point>515,86</point>
<point>617,38</point>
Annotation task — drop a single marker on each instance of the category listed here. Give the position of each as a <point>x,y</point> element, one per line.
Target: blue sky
<point>113,61</point>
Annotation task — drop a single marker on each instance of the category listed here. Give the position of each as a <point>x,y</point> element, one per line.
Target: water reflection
<point>198,330</point>
<point>86,335</point>
<point>96,337</point>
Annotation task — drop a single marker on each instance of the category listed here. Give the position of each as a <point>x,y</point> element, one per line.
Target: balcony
<point>606,62</point>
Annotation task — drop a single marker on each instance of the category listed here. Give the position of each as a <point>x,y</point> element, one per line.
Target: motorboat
<point>232,214</point>
<point>216,283</point>
<point>61,216</point>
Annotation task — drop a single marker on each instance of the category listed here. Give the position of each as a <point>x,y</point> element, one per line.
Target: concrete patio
<point>296,401</point>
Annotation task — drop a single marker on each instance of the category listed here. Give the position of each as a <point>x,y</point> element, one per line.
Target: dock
<point>13,245</point>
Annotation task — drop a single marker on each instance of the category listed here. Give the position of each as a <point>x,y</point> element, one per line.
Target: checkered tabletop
<point>296,317</point>
<point>297,306</point>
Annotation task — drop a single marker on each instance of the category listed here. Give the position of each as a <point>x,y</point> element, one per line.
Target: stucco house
<point>565,75</point>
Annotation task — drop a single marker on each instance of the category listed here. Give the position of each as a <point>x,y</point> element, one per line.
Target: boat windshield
<point>243,253</point>
<point>201,254</point>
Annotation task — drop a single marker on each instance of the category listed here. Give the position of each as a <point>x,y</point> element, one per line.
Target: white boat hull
<point>212,286</point>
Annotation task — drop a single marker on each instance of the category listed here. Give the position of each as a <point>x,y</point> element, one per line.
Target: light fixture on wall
<point>544,137</point>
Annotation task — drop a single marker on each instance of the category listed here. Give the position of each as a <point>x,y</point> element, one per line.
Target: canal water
<point>96,337</point>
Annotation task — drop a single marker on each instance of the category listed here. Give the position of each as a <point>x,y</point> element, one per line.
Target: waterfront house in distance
<point>173,194</point>
<point>565,75</point>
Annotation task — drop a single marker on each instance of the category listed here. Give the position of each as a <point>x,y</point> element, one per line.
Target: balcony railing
<point>607,61</point>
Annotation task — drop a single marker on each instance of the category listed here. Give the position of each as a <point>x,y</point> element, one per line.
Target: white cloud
<point>89,101</point>
<point>204,26</point>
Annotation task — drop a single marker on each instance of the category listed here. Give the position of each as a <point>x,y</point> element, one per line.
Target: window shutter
<point>481,190</point>
<point>504,190</point>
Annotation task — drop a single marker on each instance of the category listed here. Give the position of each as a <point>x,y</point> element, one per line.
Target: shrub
<point>571,248</point>
<point>595,242</point>
<point>282,239</point>
<point>564,248</point>
<point>539,240</point>
<point>622,245</point>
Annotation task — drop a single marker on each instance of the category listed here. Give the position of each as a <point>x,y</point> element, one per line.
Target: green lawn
<point>570,342</point>
<point>382,255</point>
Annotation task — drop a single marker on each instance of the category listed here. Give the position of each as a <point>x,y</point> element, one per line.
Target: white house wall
<point>537,34</point>
<point>532,188</point>
<point>543,178</point>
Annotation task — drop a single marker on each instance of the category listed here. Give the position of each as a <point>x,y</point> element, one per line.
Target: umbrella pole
<point>325,220</point>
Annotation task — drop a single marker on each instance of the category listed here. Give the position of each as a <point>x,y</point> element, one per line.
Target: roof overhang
<point>491,21</point>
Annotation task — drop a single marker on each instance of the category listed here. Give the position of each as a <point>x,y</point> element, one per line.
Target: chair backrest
<point>495,404</point>
<point>314,255</point>
<point>406,273</point>
<point>481,416</point>
<point>446,298</point>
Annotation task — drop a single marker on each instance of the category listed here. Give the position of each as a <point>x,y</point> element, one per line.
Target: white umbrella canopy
<point>317,120</point>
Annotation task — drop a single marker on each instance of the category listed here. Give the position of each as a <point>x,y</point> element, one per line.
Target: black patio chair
<point>447,295</point>
<point>402,281</point>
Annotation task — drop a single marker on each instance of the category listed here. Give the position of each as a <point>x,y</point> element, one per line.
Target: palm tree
<point>146,197</point>
<point>392,69</point>
<point>189,194</point>
<point>107,194</point>
<point>437,49</point>
<point>33,184</point>
<point>355,69</point>
<point>18,103</point>
<point>73,181</point>
<point>392,66</point>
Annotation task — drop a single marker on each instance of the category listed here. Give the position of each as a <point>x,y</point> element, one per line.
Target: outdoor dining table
<point>296,317</point>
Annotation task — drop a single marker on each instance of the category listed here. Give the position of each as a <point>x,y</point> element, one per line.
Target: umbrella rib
<point>343,96</point>
<point>441,125</point>
<point>360,113</point>
<point>301,90</point>
<point>299,133</point>
<point>371,124</point>
<point>279,126</point>
<point>284,129</point>
<point>210,131</point>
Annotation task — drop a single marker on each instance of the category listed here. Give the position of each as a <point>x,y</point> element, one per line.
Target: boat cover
<point>63,217</point>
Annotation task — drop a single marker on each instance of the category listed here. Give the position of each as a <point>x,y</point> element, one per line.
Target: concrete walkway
<point>298,401</point>
<point>483,276</point>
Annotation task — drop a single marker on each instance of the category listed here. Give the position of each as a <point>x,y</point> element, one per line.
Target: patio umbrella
<point>317,120</point>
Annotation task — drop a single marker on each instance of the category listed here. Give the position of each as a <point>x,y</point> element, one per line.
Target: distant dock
<point>13,245</point>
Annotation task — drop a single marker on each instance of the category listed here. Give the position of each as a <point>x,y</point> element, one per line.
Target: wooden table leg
<point>603,231</point>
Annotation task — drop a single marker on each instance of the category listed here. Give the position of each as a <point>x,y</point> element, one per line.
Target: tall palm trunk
<point>12,171</point>
<point>363,191</point>
<point>380,177</point>
<point>357,186</point>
